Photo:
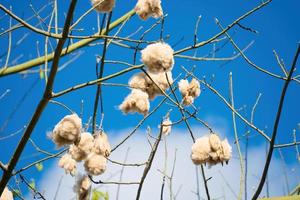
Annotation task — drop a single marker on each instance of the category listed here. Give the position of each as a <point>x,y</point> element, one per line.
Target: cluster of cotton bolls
<point>83,146</point>
<point>103,5</point>
<point>143,8</point>
<point>189,91</point>
<point>210,149</point>
<point>144,83</point>
<point>159,60</point>
<point>6,194</point>
<point>148,8</point>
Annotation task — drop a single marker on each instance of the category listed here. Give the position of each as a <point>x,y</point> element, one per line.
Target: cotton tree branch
<point>242,178</point>
<point>249,61</point>
<point>276,123</point>
<point>200,44</point>
<point>39,161</point>
<point>43,102</point>
<point>97,81</point>
<point>229,106</point>
<point>40,60</point>
<point>149,163</point>
<point>77,45</point>
<point>24,23</point>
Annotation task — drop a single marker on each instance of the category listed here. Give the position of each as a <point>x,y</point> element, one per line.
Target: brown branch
<point>148,166</point>
<point>43,102</point>
<point>278,115</point>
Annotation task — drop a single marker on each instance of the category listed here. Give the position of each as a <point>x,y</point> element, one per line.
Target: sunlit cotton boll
<point>76,153</point>
<point>82,187</point>
<point>95,164</point>
<point>104,6</point>
<point>67,130</point>
<point>6,194</point>
<point>143,82</point>
<point>86,142</point>
<point>215,142</point>
<point>101,145</point>
<point>183,86</point>
<point>136,101</point>
<point>226,152</point>
<point>83,148</point>
<point>189,91</point>
<point>166,126</point>
<point>148,8</point>
<point>68,163</point>
<point>158,57</point>
<point>194,88</point>
<point>188,100</point>
<point>200,150</point>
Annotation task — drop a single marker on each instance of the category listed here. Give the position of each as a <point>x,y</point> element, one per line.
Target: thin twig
<point>276,123</point>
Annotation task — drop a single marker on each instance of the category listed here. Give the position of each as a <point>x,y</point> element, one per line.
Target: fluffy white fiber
<point>76,153</point>
<point>147,8</point>
<point>166,126</point>
<point>6,194</point>
<point>143,82</point>
<point>226,151</point>
<point>68,163</point>
<point>67,130</point>
<point>104,6</point>
<point>189,91</point>
<point>101,145</point>
<point>210,149</point>
<point>80,151</point>
<point>158,57</point>
<point>136,101</point>
<point>95,164</point>
<point>200,150</point>
<point>86,142</point>
<point>215,142</point>
<point>82,187</point>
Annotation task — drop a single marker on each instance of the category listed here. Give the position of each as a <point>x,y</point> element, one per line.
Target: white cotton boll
<point>6,194</point>
<point>201,150</point>
<point>101,145</point>
<point>226,151</point>
<point>166,126</point>
<point>136,101</point>
<point>194,88</point>
<point>147,8</point>
<point>138,81</point>
<point>183,86</point>
<point>189,91</point>
<point>143,82</point>
<point>83,148</point>
<point>95,164</point>
<point>104,6</point>
<point>76,153</point>
<point>86,142</point>
<point>188,100</point>
<point>67,130</point>
<point>161,81</point>
<point>68,163</point>
<point>82,187</point>
<point>158,57</point>
<point>215,142</point>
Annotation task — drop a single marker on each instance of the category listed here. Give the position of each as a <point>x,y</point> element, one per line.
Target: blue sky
<point>278,28</point>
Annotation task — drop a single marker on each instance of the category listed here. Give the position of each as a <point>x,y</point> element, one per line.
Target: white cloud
<point>184,174</point>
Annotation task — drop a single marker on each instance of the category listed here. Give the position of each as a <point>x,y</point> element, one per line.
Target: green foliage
<point>32,184</point>
<point>41,73</point>
<point>98,195</point>
<point>16,193</point>
<point>39,166</point>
